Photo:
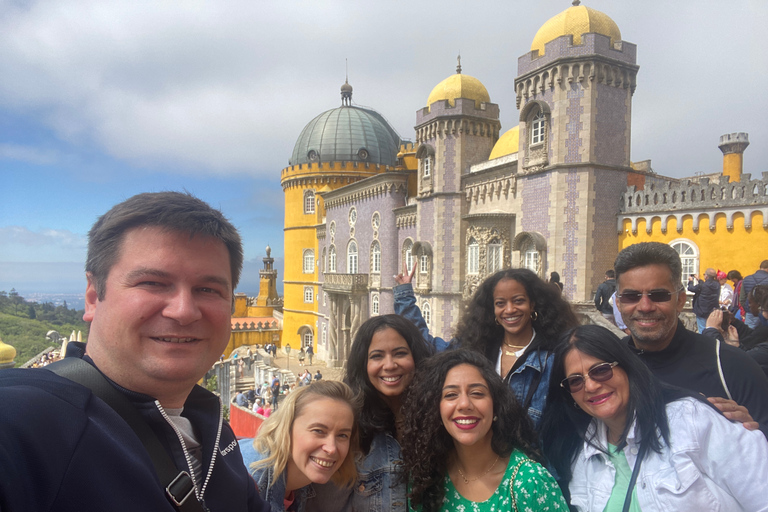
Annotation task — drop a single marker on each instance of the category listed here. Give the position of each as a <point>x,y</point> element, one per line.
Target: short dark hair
<point>376,415</point>
<point>610,273</point>
<point>427,445</point>
<point>171,211</point>
<point>649,253</point>
<point>734,275</point>
<point>764,264</point>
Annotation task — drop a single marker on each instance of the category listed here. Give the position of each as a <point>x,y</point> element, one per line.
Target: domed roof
<point>507,144</point>
<point>7,354</point>
<point>347,134</point>
<point>459,86</point>
<point>576,20</point>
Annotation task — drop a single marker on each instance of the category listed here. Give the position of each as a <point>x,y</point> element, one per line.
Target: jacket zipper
<point>198,493</point>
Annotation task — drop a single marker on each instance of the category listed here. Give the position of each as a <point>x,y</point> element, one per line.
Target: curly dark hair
<point>376,416</point>
<point>427,446</point>
<point>479,331</point>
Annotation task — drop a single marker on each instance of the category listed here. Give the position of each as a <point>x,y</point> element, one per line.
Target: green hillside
<point>24,324</point>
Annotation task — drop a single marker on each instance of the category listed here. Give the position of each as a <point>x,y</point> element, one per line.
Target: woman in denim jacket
<point>621,437</point>
<point>382,361</point>
<point>515,320</point>
<point>310,440</point>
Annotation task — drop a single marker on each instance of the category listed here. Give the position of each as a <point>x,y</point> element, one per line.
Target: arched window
<point>530,256</point>
<point>309,261</point>
<point>375,257</point>
<point>306,336</point>
<point>537,128</point>
<point>375,304</point>
<point>408,254</point>
<point>352,257</point>
<point>332,259</point>
<point>473,257</point>
<point>494,256</point>
<point>309,294</point>
<point>426,312</point>
<point>689,257</point>
<point>309,201</point>
<point>426,165</point>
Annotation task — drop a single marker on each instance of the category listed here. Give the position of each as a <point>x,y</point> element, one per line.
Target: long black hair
<point>376,416</point>
<point>479,331</point>
<point>564,425</point>
<point>427,446</point>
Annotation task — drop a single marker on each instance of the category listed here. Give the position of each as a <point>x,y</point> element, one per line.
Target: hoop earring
<point>534,316</point>
<point>496,319</point>
<point>495,418</point>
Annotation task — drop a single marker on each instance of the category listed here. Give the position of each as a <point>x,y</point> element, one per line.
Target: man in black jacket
<point>651,296</point>
<point>707,297</point>
<point>161,271</point>
<point>756,279</point>
<point>603,296</point>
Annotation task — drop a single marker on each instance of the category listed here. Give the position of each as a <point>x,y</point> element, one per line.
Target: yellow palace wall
<point>300,234</point>
<point>738,248</point>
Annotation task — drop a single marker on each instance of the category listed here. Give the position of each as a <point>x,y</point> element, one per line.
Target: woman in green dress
<point>467,443</point>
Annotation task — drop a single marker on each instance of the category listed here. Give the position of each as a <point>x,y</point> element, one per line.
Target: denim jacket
<point>273,494</point>
<point>376,489</point>
<point>710,464</point>
<point>537,363</point>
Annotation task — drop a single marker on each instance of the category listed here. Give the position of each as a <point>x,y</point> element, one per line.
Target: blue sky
<point>103,100</point>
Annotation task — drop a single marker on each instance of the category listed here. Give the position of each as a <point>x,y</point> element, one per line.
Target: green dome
<point>347,134</point>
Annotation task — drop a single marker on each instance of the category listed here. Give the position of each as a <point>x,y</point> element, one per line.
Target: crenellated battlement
<point>702,199</point>
<point>591,45</point>
<point>462,107</point>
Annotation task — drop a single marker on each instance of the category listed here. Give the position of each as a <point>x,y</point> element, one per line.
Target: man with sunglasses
<point>650,298</point>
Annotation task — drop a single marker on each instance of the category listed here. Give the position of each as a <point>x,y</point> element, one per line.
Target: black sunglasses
<point>599,373</point>
<point>655,296</point>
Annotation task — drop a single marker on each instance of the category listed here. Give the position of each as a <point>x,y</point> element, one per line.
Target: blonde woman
<point>312,438</point>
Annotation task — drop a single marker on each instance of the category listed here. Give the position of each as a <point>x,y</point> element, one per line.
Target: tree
<point>16,300</point>
<point>31,312</point>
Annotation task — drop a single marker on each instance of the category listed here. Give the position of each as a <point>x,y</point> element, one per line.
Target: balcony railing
<point>345,283</point>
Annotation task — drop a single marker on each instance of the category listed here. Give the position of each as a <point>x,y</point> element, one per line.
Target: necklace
<point>467,480</point>
<point>515,347</point>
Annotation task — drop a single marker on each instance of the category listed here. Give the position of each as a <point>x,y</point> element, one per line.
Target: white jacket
<point>711,464</point>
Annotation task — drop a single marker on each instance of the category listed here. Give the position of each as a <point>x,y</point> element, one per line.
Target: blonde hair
<point>274,437</point>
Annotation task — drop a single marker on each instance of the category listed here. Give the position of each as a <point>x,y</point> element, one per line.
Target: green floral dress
<point>533,487</point>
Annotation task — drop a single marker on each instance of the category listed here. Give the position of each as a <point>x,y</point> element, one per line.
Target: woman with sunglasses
<point>514,319</point>
<point>622,438</point>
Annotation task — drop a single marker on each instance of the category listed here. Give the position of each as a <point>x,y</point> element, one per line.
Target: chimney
<point>733,145</point>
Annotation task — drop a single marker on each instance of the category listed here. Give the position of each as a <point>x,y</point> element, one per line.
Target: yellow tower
<point>338,147</point>
<point>733,145</point>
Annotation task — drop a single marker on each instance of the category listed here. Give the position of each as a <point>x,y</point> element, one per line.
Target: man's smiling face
<point>652,324</point>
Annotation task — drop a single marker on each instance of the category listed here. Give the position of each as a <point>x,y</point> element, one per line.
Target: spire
<point>346,89</point>
<point>458,67</point>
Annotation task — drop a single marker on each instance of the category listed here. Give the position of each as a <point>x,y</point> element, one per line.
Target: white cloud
<point>225,87</point>
<point>19,244</point>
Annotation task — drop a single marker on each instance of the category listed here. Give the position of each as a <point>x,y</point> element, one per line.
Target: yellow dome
<point>7,353</point>
<point>459,86</point>
<point>575,20</point>
<point>507,143</point>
